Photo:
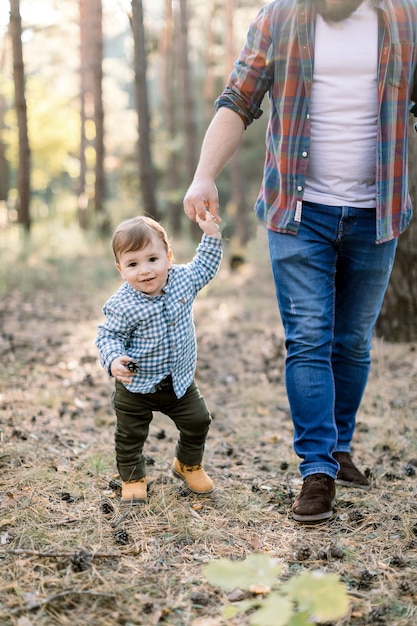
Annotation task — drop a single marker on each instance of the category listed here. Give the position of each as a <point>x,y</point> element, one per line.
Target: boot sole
<point>347,483</point>
<point>318,517</point>
<point>311,519</point>
<point>181,477</point>
<point>134,500</point>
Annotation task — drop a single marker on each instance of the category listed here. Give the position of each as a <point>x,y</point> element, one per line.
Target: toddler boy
<point>147,343</point>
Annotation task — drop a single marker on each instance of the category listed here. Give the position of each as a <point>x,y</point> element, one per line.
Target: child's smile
<point>146,270</point>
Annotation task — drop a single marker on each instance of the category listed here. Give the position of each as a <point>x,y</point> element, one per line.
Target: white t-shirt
<point>344,109</point>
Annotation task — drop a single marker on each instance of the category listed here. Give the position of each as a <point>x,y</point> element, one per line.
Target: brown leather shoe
<point>316,500</point>
<point>134,491</point>
<point>194,477</point>
<point>348,474</point>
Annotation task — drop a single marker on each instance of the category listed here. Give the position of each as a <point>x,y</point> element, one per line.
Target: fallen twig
<point>123,517</point>
<point>22,551</point>
<point>37,604</point>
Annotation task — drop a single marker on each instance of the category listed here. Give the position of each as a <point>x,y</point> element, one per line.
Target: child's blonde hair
<point>135,233</point>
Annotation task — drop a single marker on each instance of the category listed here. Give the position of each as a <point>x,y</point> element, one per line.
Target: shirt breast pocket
<point>148,334</point>
<point>182,311</point>
<point>401,64</point>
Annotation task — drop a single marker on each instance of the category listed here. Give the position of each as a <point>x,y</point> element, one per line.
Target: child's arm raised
<point>208,225</point>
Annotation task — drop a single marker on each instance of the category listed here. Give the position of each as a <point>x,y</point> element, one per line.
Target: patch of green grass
<point>98,465</point>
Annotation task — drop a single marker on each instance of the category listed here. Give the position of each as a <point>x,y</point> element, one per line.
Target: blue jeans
<point>330,281</point>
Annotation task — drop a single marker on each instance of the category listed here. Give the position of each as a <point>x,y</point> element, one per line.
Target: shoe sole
<point>181,477</point>
<point>346,483</point>
<point>311,519</point>
<point>134,500</point>
<point>319,517</point>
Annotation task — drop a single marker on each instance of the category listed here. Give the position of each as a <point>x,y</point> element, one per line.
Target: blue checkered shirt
<point>158,331</point>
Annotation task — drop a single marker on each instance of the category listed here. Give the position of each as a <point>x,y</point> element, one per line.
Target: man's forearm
<point>222,139</point>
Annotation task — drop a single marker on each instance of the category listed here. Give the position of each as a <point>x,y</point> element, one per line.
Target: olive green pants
<point>134,413</point>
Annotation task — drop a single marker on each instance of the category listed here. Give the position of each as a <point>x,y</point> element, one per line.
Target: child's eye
<point>132,264</point>
<point>153,259</point>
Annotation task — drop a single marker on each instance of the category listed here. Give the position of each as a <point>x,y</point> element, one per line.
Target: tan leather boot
<point>194,477</point>
<point>134,491</point>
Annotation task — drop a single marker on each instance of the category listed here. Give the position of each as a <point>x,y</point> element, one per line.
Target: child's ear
<point>119,267</point>
<point>170,258</point>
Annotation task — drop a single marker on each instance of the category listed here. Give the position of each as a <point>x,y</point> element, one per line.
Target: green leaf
<point>300,619</point>
<point>320,595</point>
<point>275,611</point>
<point>237,608</point>
<point>257,569</point>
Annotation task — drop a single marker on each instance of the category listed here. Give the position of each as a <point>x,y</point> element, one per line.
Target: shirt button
<point>304,154</point>
<point>171,323</point>
<point>299,188</point>
<point>308,116</point>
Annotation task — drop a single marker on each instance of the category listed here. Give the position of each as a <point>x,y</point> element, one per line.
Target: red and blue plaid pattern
<point>278,60</point>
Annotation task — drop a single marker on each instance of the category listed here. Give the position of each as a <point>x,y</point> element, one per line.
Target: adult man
<point>334,199</point>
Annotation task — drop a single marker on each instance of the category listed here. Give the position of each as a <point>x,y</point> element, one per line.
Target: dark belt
<point>164,384</point>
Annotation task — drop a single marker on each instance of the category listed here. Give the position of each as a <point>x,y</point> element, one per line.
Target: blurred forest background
<point>103,106</point>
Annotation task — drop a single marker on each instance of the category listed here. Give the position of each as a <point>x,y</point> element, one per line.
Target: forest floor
<point>70,553</point>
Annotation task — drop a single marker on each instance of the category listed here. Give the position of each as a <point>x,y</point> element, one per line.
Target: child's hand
<point>120,371</point>
<point>208,225</point>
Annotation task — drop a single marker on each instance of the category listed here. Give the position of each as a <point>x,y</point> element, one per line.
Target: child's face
<point>146,270</point>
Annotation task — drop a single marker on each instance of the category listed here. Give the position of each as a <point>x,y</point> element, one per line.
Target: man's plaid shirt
<point>278,59</point>
<point>159,331</point>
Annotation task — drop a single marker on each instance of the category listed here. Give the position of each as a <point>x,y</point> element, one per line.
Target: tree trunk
<point>210,92</point>
<point>23,182</point>
<point>238,196</point>
<point>146,167</point>
<point>174,205</point>
<point>189,121</point>
<point>91,107</point>
<point>97,81</point>
<point>85,112</point>
<point>190,131</point>
<point>398,318</point>
<point>4,165</point>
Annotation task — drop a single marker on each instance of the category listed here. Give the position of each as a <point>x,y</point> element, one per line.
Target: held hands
<point>208,225</point>
<point>121,370</point>
<point>201,197</point>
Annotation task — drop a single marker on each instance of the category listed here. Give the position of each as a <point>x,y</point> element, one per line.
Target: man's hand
<point>202,196</point>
